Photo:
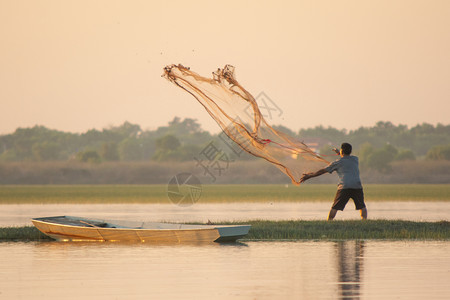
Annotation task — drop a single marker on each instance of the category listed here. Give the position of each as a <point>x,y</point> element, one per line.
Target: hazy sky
<point>77,65</point>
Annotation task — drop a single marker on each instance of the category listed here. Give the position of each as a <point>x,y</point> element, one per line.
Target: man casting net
<point>238,115</point>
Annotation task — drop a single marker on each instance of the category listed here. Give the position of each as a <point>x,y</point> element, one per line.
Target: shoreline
<point>300,230</point>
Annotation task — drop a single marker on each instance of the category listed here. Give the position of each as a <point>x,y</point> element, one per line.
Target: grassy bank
<point>303,230</point>
<point>104,194</point>
<point>26,233</point>
<point>370,229</point>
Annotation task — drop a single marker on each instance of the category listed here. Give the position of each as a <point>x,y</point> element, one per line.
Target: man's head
<point>346,149</point>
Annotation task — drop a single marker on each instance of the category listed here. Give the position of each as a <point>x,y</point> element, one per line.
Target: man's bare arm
<point>311,175</point>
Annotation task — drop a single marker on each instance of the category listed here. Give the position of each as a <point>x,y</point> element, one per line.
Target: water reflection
<point>52,245</point>
<point>350,266</point>
<point>250,270</point>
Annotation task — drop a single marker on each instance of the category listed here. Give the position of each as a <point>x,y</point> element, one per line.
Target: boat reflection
<point>56,245</point>
<point>350,266</point>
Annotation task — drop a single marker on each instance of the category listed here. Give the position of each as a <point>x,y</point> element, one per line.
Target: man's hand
<point>305,177</point>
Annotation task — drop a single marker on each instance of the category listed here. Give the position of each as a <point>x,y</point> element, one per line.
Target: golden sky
<point>77,65</point>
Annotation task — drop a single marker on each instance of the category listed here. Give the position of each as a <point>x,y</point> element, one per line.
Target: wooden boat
<point>67,228</point>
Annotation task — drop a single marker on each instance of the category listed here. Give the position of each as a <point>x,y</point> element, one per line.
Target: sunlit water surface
<point>20,214</point>
<point>249,270</point>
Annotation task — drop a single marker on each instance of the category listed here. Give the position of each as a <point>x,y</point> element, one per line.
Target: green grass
<point>304,230</point>
<point>26,233</point>
<point>337,230</point>
<point>103,194</point>
<point>83,194</point>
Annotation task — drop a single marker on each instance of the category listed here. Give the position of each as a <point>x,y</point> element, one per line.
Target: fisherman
<point>349,185</point>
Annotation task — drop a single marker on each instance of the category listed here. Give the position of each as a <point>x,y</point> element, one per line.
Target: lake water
<point>249,270</point>
<point>20,214</point>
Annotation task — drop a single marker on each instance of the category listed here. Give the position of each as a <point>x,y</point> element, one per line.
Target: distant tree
<point>167,149</point>
<point>439,153</point>
<point>380,159</point>
<point>188,152</point>
<point>364,152</point>
<point>45,151</point>
<point>25,138</point>
<point>109,151</point>
<point>391,150</point>
<point>91,137</point>
<point>147,143</point>
<point>423,128</point>
<point>180,128</point>
<point>129,142</point>
<point>188,126</point>
<point>130,149</point>
<point>90,156</point>
<point>442,129</point>
<point>331,134</point>
<point>126,130</point>
<point>405,155</point>
<point>167,143</point>
<point>9,155</point>
<point>37,143</point>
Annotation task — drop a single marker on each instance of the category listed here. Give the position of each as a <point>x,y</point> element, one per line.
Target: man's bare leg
<point>332,214</point>
<point>363,213</point>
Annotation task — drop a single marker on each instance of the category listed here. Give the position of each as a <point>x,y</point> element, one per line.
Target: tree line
<point>184,140</point>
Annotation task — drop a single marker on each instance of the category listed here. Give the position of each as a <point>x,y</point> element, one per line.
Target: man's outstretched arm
<point>311,175</point>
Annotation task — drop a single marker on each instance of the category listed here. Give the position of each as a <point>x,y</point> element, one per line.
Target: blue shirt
<point>347,168</point>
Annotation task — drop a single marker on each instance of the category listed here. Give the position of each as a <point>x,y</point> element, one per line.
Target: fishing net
<point>238,115</point>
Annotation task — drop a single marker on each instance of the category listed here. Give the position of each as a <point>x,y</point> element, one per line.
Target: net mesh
<point>237,113</point>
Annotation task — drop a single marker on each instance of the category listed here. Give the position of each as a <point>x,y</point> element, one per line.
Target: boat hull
<point>66,228</point>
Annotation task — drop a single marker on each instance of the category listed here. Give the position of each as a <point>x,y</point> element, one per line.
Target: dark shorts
<point>343,195</point>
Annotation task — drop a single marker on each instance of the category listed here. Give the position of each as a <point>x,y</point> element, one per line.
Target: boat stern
<point>232,233</point>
